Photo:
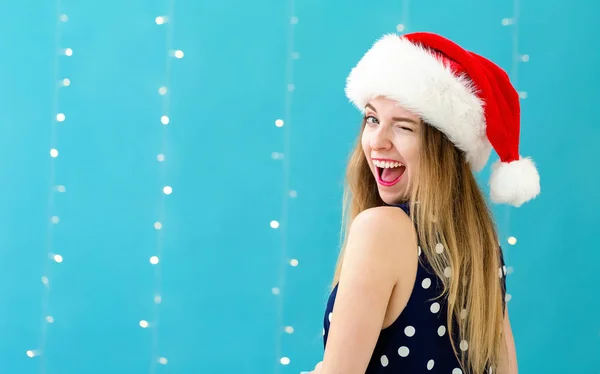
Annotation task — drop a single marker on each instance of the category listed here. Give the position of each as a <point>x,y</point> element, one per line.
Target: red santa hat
<point>464,95</point>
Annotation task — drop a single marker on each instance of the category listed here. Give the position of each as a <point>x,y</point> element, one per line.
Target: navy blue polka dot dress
<point>417,341</point>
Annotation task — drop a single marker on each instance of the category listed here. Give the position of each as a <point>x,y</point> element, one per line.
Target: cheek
<point>411,153</point>
<point>365,143</point>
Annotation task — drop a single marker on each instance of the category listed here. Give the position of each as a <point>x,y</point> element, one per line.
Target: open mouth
<point>389,172</point>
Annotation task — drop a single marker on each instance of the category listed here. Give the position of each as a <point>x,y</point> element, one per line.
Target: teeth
<point>386,164</point>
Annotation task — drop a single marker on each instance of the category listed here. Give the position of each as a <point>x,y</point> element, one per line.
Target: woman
<point>420,281</point>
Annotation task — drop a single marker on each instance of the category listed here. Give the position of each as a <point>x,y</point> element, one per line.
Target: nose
<point>381,139</point>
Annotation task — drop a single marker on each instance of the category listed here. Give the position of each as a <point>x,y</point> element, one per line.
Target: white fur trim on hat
<point>514,182</point>
<point>421,83</point>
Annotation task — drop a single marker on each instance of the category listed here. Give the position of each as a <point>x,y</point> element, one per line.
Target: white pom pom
<point>514,182</point>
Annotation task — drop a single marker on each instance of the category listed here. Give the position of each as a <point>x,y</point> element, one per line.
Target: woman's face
<point>391,141</point>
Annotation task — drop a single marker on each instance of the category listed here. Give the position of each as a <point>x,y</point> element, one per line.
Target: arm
<point>510,345</point>
<point>378,240</point>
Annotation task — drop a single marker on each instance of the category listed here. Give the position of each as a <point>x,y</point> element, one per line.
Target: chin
<point>392,198</point>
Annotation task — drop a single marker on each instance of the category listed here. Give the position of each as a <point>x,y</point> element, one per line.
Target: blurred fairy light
<point>402,26</point>
<point>52,258</point>
<point>165,23</point>
<point>517,59</point>
<point>292,55</point>
<point>507,21</point>
<point>33,353</point>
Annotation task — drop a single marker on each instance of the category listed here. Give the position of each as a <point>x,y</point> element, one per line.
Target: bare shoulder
<point>380,241</point>
<point>385,225</point>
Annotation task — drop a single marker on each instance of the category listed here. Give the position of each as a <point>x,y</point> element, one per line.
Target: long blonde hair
<point>452,211</point>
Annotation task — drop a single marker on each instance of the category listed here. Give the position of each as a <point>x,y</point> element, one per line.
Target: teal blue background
<point>219,257</point>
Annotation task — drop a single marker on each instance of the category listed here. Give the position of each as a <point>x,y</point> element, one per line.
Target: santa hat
<point>464,95</point>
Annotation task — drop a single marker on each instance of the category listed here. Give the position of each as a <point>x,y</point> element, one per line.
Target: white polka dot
<point>409,331</point>
<point>500,272</point>
<point>329,317</point>
<point>426,283</point>
<point>504,269</point>
<point>384,361</point>
<point>323,331</point>
<point>441,330</point>
<point>464,345</point>
<point>430,364</point>
<point>490,370</point>
<point>420,250</point>
<point>403,351</point>
<point>447,272</point>
<point>457,371</point>
<point>507,297</point>
<point>439,248</point>
<point>435,307</point>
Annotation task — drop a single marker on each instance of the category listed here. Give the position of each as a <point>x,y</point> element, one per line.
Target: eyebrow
<point>395,119</point>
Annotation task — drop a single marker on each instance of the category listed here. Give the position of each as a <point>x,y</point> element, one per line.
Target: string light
<point>517,59</point>
<point>284,123</point>
<point>402,26</point>
<point>165,22</point>
<point>53,260</point>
